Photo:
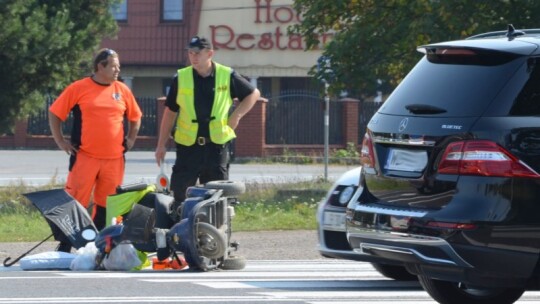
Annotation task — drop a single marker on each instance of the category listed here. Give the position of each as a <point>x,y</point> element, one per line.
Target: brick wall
<point>251,135</point>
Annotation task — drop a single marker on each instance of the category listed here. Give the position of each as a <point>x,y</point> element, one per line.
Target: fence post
<point>350,120</point>
<point>20,133</point>
<point>251,132</point>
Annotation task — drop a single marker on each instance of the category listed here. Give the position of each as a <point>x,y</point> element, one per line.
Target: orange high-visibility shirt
<point>102,109</point>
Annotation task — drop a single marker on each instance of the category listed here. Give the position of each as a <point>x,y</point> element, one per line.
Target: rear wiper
<point>424,109</point>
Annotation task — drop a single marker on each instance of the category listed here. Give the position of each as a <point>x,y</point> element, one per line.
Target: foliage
<point>349,152</point>
<point>377,39</point>
<point>279,206</point>
<point>44,45</point>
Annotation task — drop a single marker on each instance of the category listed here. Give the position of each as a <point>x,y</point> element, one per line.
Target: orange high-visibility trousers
<point>100,176</point>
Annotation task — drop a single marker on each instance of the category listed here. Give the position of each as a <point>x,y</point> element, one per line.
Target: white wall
<point>251,36</point>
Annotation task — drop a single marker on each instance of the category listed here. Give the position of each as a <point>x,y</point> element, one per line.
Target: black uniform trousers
<point>203,162</point>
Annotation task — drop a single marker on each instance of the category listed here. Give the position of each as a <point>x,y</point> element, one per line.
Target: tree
<point>44,45</point>
<point>377,39</point>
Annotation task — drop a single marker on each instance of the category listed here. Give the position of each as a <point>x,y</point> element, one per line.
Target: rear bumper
<point>405,248</point>
<point>437,258</point>
<point>334,244</point>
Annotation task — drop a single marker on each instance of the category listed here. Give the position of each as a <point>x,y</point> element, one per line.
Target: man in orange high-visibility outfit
<point>98,143</point>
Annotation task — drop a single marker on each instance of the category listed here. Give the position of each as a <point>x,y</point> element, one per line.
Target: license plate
<point>334,221</point>
<point>406,160</point>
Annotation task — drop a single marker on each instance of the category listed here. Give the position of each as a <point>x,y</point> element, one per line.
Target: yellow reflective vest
<point>187,124</point>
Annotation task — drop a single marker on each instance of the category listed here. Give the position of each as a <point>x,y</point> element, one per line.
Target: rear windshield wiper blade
<point>424,109</point>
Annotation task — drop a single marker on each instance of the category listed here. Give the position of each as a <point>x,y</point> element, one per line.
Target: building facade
<point>249,35</point>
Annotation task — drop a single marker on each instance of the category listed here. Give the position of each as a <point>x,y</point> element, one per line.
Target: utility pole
<point>323,65</point>
<point>326,129</point>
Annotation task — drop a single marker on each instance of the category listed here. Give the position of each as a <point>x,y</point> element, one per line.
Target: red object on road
<point>169,263</point>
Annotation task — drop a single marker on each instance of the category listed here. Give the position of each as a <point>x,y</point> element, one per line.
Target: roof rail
<point>511,33</point>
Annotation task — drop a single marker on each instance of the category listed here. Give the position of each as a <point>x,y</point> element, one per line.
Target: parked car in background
<point>331,227</point>
<point>450,178</point>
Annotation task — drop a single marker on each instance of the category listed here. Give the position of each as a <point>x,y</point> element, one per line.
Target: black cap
<point>199,43</point>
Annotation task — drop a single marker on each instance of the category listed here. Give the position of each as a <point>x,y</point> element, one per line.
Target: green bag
<point>120,204</point>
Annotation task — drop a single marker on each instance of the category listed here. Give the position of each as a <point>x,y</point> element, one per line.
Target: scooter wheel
<point>211,242</point>
<point>233,262</point>
<point>230,188</point>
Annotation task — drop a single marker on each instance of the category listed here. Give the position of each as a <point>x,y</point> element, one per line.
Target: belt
<point>201,141</point>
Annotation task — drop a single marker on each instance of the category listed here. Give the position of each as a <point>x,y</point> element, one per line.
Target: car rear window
<point>457,82</point>
<point>527,102</point>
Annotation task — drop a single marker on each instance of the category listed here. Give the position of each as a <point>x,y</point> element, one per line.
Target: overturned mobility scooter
<point>199,228</point>
<point>148,218</point>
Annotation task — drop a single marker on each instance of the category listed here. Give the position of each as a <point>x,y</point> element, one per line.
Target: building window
<point>119,11</point>
<point>172,10</point>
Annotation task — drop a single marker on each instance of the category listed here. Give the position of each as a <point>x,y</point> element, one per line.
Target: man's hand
<point>56,130</point>
<point>130,143</point>
<point>160,154</point>
<point>243,108</point>
<point>65,145</point>
<point>234,120</point>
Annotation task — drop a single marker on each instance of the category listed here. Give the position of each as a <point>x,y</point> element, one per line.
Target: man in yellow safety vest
<point>198,103</point>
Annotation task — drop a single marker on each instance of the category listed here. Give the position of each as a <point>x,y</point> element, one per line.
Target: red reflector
<point>445,225</point>
<point>163,182</point>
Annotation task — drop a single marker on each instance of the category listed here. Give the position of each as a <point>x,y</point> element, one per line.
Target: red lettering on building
<point>223,32</point>
<point>258,9</point>
<point>278,39</point>
<point>224,37</point>
<point>244,37</point>
<point>296,42</point>
<point>266,42</point>
<point>283,14</point>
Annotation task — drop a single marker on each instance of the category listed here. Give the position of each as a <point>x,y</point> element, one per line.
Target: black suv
<point>451,166</point>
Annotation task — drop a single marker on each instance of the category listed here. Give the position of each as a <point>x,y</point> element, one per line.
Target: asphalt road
<point>38,167</point>
<point>261,282</point>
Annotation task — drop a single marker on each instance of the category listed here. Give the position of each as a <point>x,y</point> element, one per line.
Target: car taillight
<point>482,157</point>
<point>367,157</point>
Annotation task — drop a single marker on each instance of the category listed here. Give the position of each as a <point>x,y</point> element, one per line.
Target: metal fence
<point>292,118</point>
<point>365,112</point>
<point>38,123</point>
<point>297,118</point>
<point>149,123</point>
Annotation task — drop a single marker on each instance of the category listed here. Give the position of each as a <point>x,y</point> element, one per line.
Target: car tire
<point>233,262</point>
<point>398,273</point>
<point>230,188</point>
<point>446,292</point>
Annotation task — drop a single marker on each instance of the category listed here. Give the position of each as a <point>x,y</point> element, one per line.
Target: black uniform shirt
<point>204,96</point>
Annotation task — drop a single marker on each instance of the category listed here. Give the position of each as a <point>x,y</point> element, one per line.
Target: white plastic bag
<point>122,257</point>
<point>86,258</point>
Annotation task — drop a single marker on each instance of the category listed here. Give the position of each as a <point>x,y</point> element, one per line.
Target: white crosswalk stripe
<point>321,282</point>
<point>309,281</point>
